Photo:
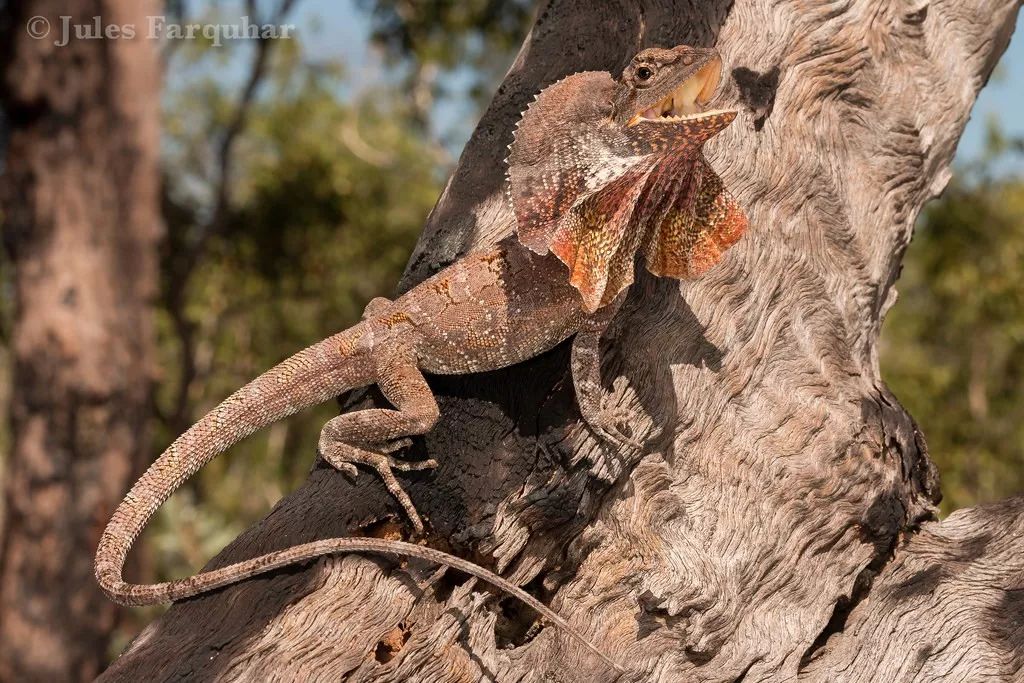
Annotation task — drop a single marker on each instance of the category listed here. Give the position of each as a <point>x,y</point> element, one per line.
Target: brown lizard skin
<point>633,185</point>
<point>592,184</point>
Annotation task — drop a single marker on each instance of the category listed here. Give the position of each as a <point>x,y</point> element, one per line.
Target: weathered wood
<point>779,472</point>
<point>948,607</point>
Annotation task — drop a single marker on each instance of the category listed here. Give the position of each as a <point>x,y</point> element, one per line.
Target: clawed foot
<point>344,458</point>
<point>606,425</point>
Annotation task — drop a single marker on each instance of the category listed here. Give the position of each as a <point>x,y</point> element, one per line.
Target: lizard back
<point>492,309</point>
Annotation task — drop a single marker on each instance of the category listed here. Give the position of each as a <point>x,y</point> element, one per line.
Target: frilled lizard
<point>600,171</point>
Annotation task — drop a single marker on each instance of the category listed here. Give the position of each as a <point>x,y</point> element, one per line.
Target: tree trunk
<point>81,224</point>
<point>779,474</point>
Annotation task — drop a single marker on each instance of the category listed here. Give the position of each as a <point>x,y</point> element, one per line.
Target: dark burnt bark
<point>80,223</point>
<point>779,473</point>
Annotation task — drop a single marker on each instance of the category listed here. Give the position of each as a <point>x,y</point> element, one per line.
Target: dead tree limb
<point>780,473</point>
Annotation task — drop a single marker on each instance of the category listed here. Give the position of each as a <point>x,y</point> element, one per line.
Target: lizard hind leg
<point>586,374</point>
<point>366,437</point>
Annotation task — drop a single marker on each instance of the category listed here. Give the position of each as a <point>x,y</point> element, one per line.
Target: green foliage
<point>447,33</point>
<point>449,48</point>
<point>953,346</point>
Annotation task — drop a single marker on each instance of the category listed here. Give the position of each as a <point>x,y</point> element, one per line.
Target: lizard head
<point>602,169</point>
<point>660,98</point>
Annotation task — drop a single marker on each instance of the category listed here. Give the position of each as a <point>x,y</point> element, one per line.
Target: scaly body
<point>610,145</point>
<point>484,312</point>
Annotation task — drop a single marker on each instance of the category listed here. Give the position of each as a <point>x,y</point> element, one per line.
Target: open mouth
<point>686,102</point>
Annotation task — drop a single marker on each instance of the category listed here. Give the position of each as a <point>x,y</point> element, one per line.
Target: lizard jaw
<point>685,102</point>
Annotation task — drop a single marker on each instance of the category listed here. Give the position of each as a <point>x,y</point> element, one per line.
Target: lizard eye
<point>644,73</point>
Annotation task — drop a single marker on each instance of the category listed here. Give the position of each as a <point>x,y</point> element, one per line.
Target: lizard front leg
<point>365,437</point>
<point>586,377</point>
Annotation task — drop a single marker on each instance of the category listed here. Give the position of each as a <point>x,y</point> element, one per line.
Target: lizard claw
<point>401,465</point>
<point>606,427</point>
<point>345,457</point>
<point>346,468</point>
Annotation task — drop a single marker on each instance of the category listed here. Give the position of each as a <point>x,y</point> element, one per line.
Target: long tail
<point>312,376</point>
<point>308,378</point>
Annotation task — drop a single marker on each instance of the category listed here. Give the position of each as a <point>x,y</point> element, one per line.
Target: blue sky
<point>1003,97</point>
<point>339,29</point>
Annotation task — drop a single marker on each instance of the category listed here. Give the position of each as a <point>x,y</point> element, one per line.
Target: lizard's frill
<point>596,238</point>
<point>674,210</point>
<point>692,219</point>
<point>548,169</point>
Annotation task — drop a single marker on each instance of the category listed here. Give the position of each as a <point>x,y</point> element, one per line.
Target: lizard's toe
<point>412,465</point>
<point>608,426</point>
<point>346,468</point>
<point>345,457</point>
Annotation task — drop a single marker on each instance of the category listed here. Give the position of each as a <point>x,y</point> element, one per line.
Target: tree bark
<point>81,224</point>
<point>779,474</point>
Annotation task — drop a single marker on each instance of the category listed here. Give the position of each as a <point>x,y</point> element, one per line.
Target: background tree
<point>81,221</point>
<point>434,40</point>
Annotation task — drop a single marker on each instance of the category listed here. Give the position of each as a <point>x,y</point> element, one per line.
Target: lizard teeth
<point>685,101</point>
<point>680,102</point>
<point>695,116</point>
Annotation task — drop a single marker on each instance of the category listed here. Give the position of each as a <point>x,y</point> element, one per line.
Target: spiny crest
<point>515,134</point>
<point>551,160</point>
